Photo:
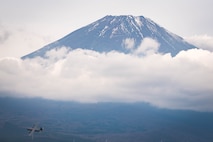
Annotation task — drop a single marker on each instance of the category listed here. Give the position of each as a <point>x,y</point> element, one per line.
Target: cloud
<point>147,46</point>
<point>4,34</point>
<point>27,41</point>
<point>202,41</point>
<point>129,43</point>
<point>180,82</point>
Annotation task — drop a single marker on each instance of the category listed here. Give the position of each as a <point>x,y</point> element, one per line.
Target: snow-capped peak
<point>110,32</point>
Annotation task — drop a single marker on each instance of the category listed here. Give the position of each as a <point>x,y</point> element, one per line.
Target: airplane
<point>33,129</point>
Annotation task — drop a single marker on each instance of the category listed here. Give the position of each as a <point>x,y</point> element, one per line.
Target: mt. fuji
<point>111,32</point>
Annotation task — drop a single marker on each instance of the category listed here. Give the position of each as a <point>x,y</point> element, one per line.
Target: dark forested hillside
<point>97,122</point>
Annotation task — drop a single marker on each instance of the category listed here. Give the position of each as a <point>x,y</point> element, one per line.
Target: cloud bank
<point>12,36</point>
<point>180,82</point>
<point>202,41</point>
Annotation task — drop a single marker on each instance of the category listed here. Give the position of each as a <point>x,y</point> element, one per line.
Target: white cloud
<point>147,46</point>
<point>183,82</point>
<point>129,43</point>
<point>27,41</point>
<point>4,34</point>
<point>57,53</point>
<point>202,41</point>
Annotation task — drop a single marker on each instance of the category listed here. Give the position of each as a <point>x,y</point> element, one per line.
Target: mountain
<point>110,32</point>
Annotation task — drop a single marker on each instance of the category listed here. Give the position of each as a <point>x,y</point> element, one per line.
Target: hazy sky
<point>180,82</point>
<point>26,25</point>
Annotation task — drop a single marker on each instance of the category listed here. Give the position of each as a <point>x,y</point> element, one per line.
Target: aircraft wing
<point>34,129</point>
<point>31,131</point>
<point>37,130</point>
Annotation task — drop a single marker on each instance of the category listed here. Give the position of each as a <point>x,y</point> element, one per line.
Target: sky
<point>180,82</point>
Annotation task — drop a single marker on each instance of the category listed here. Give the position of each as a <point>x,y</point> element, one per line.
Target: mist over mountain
<point>119,33</point>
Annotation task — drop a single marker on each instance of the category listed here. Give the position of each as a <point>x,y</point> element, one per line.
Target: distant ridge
<point>109,33</point>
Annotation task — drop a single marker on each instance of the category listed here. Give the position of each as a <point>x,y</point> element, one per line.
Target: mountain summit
<point>110,32</point>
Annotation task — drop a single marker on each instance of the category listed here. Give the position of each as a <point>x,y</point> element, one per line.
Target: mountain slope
<point>110,32</point>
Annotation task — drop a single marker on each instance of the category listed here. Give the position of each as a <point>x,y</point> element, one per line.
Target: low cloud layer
<point>28,41</point>
<point>202,41</point>
<point>180,82</point>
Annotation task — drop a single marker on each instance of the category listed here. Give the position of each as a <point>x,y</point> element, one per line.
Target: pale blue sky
<point>40,22</point>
